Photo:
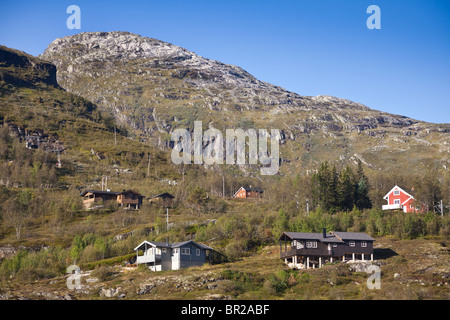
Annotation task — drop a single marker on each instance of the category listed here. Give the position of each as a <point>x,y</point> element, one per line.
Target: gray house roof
<point>310,236</point>
<point>335,237</point>
<point>353,236</point>
<point>172,245</point>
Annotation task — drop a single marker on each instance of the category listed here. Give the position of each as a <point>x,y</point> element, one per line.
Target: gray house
<point>162,256</point>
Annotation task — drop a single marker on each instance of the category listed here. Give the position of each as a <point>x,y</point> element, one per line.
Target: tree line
<point>340,191</point>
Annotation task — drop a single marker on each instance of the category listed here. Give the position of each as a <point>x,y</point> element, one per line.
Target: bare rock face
<point>154,87</point>
<point>32,70</point>
<point>98,54</point>
<point>7,251</point>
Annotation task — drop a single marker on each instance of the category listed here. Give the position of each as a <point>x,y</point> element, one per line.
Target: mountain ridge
<point>155,87</point>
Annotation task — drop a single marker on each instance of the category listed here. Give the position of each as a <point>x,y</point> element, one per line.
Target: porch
<point>391,206</point>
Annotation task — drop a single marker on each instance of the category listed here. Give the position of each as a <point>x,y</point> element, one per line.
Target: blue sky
<point>310,47</point>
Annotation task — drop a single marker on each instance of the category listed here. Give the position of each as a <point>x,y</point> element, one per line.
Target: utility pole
<point>167,218</point>
<point>223,185</point>
<point>105,183</point>
<point>440,208</point>
<point>58,165</point>
<point>307,207</point>
<point>148,167</point>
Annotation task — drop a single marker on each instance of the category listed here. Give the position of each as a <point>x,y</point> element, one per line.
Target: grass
<point>416,271</point>
<point>107,262</point>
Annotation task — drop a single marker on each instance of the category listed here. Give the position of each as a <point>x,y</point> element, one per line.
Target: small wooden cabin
<point>248,192</point>
<point>130,198</point>
<point>127,198</point>
<point>163,199</point>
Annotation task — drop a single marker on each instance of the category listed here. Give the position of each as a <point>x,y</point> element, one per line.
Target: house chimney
<point>324,232</point>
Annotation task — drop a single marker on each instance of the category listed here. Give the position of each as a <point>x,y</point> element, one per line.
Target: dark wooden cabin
<point>302,250</point>
<point>126,198</point>
<point>164,199</point>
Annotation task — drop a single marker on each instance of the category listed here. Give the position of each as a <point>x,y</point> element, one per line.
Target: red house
<point>398,198</point>
<point>248,192</point>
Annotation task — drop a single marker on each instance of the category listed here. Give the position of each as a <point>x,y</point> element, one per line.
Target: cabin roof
<point>253,189</point>
<point>82,194</point>
<point>334,236</point>
<point>353,236</point>
<point>163,195</point>
<point>172,245</point>
<point>309,236</point>
<point>132,191</point>
<point>408,191</point>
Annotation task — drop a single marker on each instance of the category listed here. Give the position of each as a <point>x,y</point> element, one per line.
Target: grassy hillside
<point>410,269</point>
<point>43,224</point>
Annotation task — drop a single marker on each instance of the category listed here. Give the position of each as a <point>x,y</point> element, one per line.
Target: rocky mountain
<point>155,87</point>
<point>21,69</point>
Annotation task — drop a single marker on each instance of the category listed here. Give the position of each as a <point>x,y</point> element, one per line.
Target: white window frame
<point>186,251</point>
<point>363,244</point>
<point>311,244</point>
<point>397,201</point>
<point>334,245</point>
<point>396,192</point>
<point>197,252</point>
<point>351,243</point>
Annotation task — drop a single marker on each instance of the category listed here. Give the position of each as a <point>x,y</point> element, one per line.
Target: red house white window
<point>398,198</point>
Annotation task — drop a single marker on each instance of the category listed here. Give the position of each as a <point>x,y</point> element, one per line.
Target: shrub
<point>29,266</point>
<point>102,273</point>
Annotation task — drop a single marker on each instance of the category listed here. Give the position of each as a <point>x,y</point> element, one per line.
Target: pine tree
<point>362,200</point>
<point>347,189</point>
<point>325,187</point>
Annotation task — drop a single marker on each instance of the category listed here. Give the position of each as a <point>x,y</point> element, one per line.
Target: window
<point>197,252</point>
<point>396,201</point>
<point>334,245</point>
<point>351,243</point>
<point>363,244</point>
<point>311,244</point>
<point>164,250</point>
<point>396,192</point>
<point>185,251</point>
